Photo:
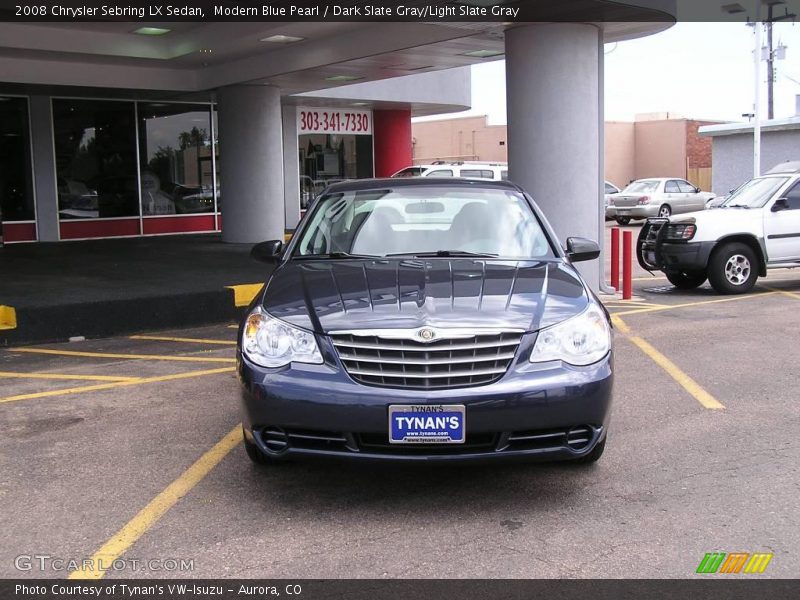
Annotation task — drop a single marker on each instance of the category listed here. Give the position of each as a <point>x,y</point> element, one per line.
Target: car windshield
<point>423,220</point>
<point>755,193</point>
<point>643,186</point>
<point>409,172</point>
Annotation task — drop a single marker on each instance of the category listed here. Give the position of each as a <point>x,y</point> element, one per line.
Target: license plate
<point>427,423</point>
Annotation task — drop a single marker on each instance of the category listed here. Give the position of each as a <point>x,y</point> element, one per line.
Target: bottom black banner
<point>397,589</point>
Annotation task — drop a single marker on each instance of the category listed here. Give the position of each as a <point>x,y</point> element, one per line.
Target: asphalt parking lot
<point>128,448</point>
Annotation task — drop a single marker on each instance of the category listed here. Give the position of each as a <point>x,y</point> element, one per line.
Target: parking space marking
<point>785,293</point>
<point>108,386</point>
<point>117,355</point>
<point>636,311</point>
<point>158,506</point>
<point>20,375</point>
<point>158,338</point>
<point>689,384</point>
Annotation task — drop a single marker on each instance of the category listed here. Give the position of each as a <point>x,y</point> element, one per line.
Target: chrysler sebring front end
<point>425,320</point>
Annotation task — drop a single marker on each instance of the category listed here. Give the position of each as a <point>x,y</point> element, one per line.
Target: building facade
<point>654,145</point>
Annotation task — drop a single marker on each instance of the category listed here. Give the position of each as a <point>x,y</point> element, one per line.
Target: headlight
<point>272,343</point>
<point>680,231</point>
<point>581,340</point>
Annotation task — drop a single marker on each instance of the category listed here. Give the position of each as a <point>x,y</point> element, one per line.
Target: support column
<point>251,163</point>
<point>44,168</point>
<point>392,141</point>
<point>552,97</point>
<point>291,167</point>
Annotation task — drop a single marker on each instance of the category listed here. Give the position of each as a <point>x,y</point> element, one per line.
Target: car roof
<point>357,185</point>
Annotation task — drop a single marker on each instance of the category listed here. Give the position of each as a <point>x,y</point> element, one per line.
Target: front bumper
<point>549,411</point>
<point>655,252</point>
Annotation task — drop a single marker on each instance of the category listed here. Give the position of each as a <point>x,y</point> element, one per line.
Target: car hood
<point>325,296</point>
<point>716,217</point>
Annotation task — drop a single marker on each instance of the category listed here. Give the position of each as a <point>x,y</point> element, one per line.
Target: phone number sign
<point>334,120</point>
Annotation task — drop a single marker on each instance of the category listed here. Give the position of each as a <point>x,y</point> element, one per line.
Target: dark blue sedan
<point>425,320</point>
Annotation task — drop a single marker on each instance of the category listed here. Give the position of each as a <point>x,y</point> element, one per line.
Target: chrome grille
<point>409,363</point>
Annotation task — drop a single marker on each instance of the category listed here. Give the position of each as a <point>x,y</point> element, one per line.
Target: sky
<point>694,70</point>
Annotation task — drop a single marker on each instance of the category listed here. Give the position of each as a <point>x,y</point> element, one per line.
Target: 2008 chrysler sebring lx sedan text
<point>425,320</point>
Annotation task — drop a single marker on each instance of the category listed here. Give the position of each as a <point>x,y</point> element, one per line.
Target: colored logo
<point>734,562</point>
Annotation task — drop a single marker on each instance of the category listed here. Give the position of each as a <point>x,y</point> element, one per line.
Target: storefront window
<point>16,186</point>
<point>175,159</point>
<point>328,158</point>
<point>95,145</point>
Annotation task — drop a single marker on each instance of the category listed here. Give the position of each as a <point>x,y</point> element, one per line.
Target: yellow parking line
<point>11,374</point>
<point>785,293</point>
<point>689,384</point>
<point>158,338</point>
<point>108,386</point>
<point>115,355</point>
<point>637,311</point>
<point>158,506</point>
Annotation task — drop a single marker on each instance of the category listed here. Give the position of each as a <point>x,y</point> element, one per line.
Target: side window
<point>487,174</point>
<point>686,187</point>
<point>793,196</point>
<point>610,189</point>
<point>671,187</point>
<point>504,175</point>
<point>474,173</point>
<point>441,173</point>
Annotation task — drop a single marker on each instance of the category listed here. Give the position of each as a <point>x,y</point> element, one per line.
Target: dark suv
<point>421,320</point>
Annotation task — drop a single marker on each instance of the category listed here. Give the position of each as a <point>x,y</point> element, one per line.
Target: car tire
<point>733,268</point>
<point>623,220</point>
<point>253,452</point>
<point>664,211</point>
<point>594,455</point>
<point>687,280</point>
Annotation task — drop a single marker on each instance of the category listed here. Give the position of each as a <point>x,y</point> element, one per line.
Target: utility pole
<point>757,93</point>
<point>770,66</point>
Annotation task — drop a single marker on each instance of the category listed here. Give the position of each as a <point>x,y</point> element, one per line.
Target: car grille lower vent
<point>444,363</point>
<point>579,437</point>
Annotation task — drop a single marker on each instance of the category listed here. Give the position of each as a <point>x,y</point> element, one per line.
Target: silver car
<point>657,197</point>
<point>610,190</point>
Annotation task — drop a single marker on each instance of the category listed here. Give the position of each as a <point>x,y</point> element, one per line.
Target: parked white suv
<point>468,169</point>
<point>755,229</point>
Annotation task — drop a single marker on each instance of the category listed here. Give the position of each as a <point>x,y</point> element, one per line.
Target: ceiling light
<point>483,53</point>
<point>344,78</point>
<point>282,39</point>
<point>152,30</point>
<point>360,103</point>
<point>734,8</point>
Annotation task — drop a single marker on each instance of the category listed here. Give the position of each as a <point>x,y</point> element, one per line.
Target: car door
<point>782,227</point>
<point>694,199</point>
<point>673,196</point>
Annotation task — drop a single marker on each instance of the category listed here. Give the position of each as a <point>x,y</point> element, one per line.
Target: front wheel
<point>623,220</point>
<point>733,268</point>
<point>687,280</point>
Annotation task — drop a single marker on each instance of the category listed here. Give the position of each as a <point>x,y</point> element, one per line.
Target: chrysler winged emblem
<point>426,334</point>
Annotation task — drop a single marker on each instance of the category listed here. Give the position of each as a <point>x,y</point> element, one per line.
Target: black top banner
<point>503,11</point>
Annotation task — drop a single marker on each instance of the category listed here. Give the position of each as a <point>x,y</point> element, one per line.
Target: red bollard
<point>627,271</point>
<point>615,258</point>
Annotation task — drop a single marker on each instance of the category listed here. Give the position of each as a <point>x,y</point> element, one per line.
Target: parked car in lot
<point>610,190</point>
<point>660,197</point>
<point>755,229</point>
<point>469,169</point>
<point>425,320</point>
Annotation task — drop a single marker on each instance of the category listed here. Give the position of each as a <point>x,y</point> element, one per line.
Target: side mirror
<point>780,204</point>
<point>580,249</point>
<point>698,191</point>
<point>267,252</point>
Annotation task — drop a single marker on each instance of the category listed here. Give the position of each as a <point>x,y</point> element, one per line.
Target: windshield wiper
<point>737,206</point>
<point>333,255</point>
<point>445,254</point>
